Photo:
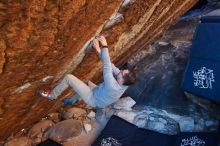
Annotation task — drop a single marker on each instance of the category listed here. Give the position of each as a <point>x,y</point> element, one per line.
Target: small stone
<point>54,117</point>
<point>87,127</point>
<point>163,43</point>
<point>159,126</point>
<point>162,120</point>
<point>151,118</point>
<point>209,123</point>
<point>186,124</point>
<point>73,113</point>
<point>126,3</point>
<point>47,78</point>
<point>91,115</point>
<point>22,88</point>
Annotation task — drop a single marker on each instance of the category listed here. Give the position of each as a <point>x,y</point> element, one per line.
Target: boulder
<point>85,139</point>
<point>157,122</point>
<point>38,129</point>
<point>127,115</point>
<point>91,115</point>
<point>64,130</point>
<point>87,127</point>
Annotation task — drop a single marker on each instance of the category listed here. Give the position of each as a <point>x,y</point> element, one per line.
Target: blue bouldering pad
<point>119,132</point>
<point>206,42</point>
<point>202,77</point>
<point>197,139</point>
<point>144,137</point>
<point>49,142</point>
<point>202,74</point>
<point>210,19</point>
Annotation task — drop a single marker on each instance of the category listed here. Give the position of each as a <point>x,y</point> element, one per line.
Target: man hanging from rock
<point>115,82</point>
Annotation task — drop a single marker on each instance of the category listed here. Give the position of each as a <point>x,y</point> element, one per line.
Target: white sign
<point>192,141</point>
<point>110,142</point>
<point>203,78</point>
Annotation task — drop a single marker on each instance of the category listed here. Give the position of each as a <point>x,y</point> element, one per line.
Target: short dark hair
<point>130,78</point>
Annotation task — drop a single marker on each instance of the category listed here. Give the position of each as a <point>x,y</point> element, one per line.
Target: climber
<point>115,82</point>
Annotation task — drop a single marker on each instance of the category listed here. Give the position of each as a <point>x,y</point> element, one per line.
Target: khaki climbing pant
<point>82,89</point>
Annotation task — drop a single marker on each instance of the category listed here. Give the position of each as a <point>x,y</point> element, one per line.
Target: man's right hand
<point>96,45</point>
<point>103,40</point>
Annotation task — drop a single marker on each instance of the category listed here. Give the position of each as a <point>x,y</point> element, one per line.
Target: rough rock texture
<point>64,130</point>
<point>44,38</point>
<point>85,139</point>
<point>125,103</point>
<point>20,141</point>
<point>162,121</point>
<point>73,113</point>
<point>38,129</point>
<point>206,104</point>
<point>156,122</point>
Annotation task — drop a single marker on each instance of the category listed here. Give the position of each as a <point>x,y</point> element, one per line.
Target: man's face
<point>121,75</point>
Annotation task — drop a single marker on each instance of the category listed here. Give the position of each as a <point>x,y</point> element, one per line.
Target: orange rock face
<point>48,38</point>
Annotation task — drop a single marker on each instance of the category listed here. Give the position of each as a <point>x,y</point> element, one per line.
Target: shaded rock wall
<point>161,66</point>
<point>160,72</point>
<point>47,38</point>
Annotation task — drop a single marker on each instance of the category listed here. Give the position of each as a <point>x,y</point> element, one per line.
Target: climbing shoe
<point>46,94</point>
<point>69,101</point>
